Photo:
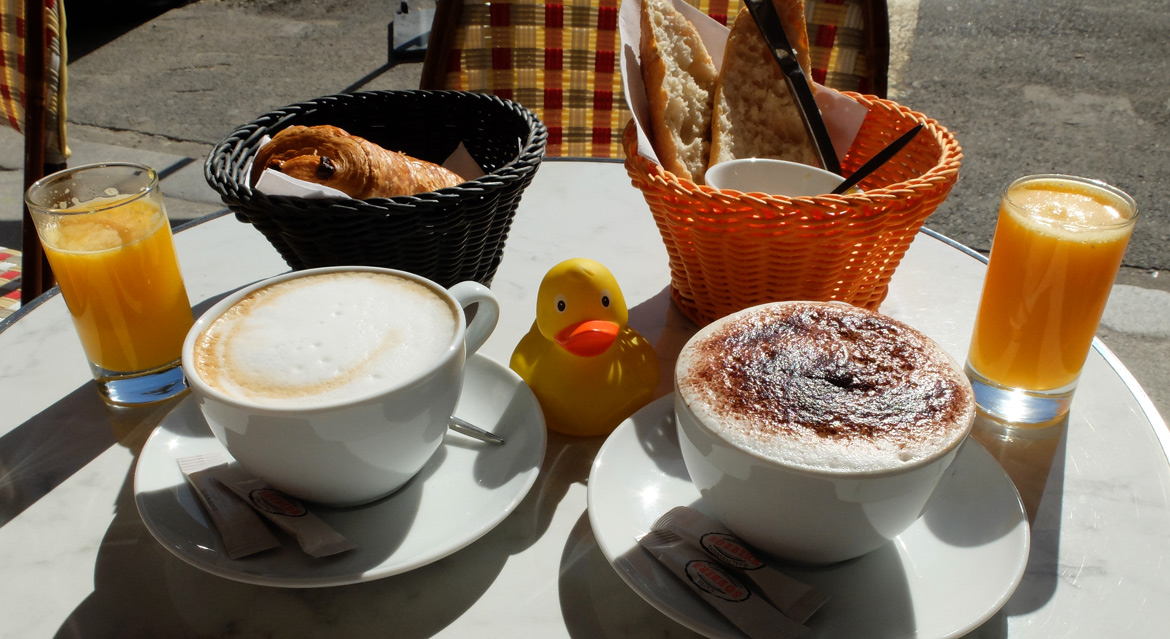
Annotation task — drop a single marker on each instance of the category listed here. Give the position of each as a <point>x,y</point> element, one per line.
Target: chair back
<point>32,101</point>
<point>561,59</point>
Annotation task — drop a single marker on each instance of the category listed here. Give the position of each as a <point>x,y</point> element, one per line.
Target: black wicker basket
<point>448,236</point>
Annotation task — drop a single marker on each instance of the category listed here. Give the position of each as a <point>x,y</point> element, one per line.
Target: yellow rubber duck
<point>589,370</point>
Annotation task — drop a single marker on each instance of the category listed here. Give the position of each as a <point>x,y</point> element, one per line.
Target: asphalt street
<point>1028,86</point>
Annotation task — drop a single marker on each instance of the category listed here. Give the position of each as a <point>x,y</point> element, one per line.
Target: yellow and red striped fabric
<point>9,281</point>
<point>12,73</point>
<point>839,45</point>
<point>560,59</point>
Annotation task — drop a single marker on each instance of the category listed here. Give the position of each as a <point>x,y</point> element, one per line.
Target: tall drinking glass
<point>1057,250</point>
<point>108,241</point>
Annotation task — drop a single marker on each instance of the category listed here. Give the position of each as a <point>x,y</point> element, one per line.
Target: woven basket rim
<point>229,157</point>
<point>942,172</point>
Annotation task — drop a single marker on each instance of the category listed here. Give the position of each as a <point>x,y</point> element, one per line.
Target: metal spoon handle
<point>473,431</point>
<point>876,161</point>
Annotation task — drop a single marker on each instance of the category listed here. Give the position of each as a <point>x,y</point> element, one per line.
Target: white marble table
<point>77,561</point>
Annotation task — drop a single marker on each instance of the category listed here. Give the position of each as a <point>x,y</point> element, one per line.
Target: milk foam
<point>325,338</point>
<point>813,402</point>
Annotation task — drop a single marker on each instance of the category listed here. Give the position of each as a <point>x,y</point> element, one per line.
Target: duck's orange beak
<point>589,338</point>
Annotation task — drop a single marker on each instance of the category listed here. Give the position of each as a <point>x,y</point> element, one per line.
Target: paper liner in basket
<point>273,182</point>
<point>843,115</point>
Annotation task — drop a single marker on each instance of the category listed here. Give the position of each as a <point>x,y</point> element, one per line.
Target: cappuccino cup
<point>335,384</point>
<point>817,431</point>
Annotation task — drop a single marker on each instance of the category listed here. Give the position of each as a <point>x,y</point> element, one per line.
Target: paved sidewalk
<point>1032,86</point>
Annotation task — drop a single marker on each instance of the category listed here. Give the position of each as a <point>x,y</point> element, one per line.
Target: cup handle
<point>486,315</point>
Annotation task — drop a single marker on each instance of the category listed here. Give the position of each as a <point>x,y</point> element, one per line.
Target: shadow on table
<point>1035,462</point>
<point>668,336</point>
<point>46,450</point>
<point>596,602</point>
<point>142,590</point>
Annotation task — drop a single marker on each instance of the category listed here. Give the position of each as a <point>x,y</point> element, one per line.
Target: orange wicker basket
<point>730,250</point>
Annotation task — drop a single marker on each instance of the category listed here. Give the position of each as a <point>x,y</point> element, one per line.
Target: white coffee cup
<point>799,497</point>
<point>347,450</point>
<point>774,177</point>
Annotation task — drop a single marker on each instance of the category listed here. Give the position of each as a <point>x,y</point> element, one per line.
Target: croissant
<point>355,166</point>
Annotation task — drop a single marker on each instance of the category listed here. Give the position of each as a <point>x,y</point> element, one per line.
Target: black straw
<point>876,161</point>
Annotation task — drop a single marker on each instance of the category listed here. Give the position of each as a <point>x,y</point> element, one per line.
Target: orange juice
<point>1057,249</point>
<point>120,278</point>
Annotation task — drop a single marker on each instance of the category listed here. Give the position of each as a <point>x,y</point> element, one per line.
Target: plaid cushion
<point>12,74</point>
<point>838,44</point>
<point>558,60</point>
<point>9,281</point>
<point>561,61</point>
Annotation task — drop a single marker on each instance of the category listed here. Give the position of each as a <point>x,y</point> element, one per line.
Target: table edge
<point>1143,399</point>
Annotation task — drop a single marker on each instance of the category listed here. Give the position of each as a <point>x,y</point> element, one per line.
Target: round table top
<point>77,558</point>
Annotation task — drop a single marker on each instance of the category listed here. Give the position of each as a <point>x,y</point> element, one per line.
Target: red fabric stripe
<point>826,36</point>
<point>13,121</point>
<point>501,58</point>
<point>554,16</point>
<point>555,135</point>
<point>554,98</point>
<point>607,18</point>
<point>601,136</point>
<point>603,62</point>
<point>603,101</point>
<point>554,59</point>
<point>501,14</point>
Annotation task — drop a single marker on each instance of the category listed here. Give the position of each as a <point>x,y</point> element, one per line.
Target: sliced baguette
<point>755,115</point>
<point>680,82</point>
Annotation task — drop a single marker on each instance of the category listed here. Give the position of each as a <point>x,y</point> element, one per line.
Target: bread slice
<point>680,83</point>
<point>755,115</point>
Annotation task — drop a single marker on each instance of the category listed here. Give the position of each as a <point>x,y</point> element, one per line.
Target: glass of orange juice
<point>1057,250</point>
<point>108,242</point>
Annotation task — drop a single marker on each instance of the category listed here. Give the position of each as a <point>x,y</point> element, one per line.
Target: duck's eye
<point>605,299</point>
<point>561,304</point>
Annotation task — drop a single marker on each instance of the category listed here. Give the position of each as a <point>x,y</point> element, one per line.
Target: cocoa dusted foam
<point>325,338</point>
<point>826,386</point>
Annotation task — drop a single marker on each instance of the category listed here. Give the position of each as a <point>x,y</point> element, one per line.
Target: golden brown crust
<point>359,168</point>
<point>679,77</point>
<point>755,115</point>
<point>795,23</point>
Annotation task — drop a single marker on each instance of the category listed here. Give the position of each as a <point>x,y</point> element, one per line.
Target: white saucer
<point>463,492</point>
<point>946,575</point>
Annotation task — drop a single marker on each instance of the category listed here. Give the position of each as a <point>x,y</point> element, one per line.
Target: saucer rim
<point>711,624</point>
<point>482,371</point>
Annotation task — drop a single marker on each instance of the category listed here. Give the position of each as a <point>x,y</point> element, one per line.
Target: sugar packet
<point>240,529</point>
<point>716,585</point>
<point>315,536</point>
<point>793,598</point>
